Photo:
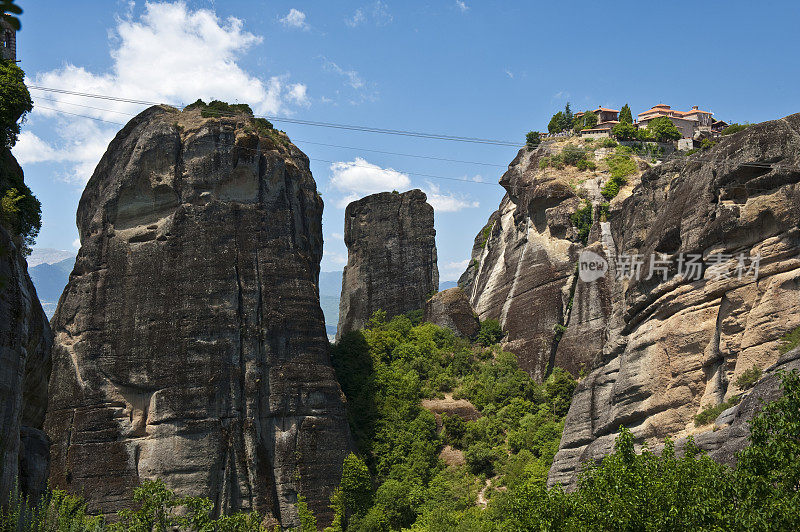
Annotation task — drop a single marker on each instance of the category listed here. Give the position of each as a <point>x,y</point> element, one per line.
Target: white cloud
<point>170,54</point>
<point>447,201</point>
<point>376,13</point>
<point>352,77</point>
<point>295,19</point>
<point>458,266</point>
<point>509,74</point>
<point>333,257</point>
<point>337,236</point>
<point>358,178</point>
<point>31,149</point>
<point>76,243</point>
<point>462,6</point>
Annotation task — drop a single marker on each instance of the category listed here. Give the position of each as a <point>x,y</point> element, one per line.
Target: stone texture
<point>391,263</point>
<point>673,347</point>
<point>25,364</point>
<point>190,343</point>
<point>451,309</point>
<point>523,261</point>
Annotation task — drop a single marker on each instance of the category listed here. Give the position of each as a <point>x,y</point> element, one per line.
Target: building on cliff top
<point>689,123</point>
<point>606,119</point>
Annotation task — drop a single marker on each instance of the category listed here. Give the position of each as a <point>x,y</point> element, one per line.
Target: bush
<point>490,332</point>
<point>607,142</point>
<point>710,413</point>
<point>748,378</point>
<point>610,189</point>
<point>582,220</point>
<point>733,128</point>
<point>706,144</point>
<point>544,162</point>
<point>571,154</point>
<point>789,341</point>
<point>533,139</point>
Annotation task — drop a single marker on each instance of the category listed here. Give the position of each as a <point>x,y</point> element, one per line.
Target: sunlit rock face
<point>673,347</point>
<point>190,343</point>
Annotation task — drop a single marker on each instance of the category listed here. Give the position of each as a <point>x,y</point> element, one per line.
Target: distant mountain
<point>330,284</point>
<point>444,285</point>
<point>50,280</point>
<point>48,256</point>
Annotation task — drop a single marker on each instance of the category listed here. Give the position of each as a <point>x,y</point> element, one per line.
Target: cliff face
<point>190,343</point>
<point>391,263</point>
<point>656,349</point>
<point>523,261</point>
<point>674,347</point>
<point>25,363</point>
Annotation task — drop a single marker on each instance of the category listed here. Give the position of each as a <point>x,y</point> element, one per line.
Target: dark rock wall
<point>25,363</point>
<point>391,264</point>
<point>190,343</point>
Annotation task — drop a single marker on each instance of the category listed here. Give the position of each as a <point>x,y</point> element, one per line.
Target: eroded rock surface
<point>190,343</point>
<point>451,309</point>
<point>25,363</point>
<point>391,263</point>
<point>673,347</point>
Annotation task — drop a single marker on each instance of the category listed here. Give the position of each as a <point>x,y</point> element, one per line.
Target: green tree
<point>589,119</point>
<point>533,139</point>
<point>625,115</point>
<point>556,124</point>
<point>15,102</point>
<point>768,470</point>
<point>663,130</point>
<point>490,332</point>
<point>568,118</point>
<point>356,486</point>
<point>624,131</point>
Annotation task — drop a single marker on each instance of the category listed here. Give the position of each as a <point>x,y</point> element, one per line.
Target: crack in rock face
<point>190,343</point>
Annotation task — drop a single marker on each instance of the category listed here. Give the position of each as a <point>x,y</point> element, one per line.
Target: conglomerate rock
<point>190,343</point>
<point>391,263</point>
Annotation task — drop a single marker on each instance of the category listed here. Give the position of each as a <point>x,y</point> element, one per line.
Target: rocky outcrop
<point>451,309</point>
<point>25,363</point>
<point>391,263</point>
<point>522,271</point>
<point>190,343</point>
<point>667,345</point>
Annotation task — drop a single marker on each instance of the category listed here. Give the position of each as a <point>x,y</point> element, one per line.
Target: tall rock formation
<point>391,263</point>
<point>678,345</point>
<point>25,363</point>
<point>522,271</point>
<point>190,343</point>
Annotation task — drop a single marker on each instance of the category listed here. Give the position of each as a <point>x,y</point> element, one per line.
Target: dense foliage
<point>662,129</point>
<point>582,220</point>
<point>20,211</point>
<point>625,115</point>
<point>621,165</point>
<point>561,121</point>
<point>15,102</point>
<point>386,371</point>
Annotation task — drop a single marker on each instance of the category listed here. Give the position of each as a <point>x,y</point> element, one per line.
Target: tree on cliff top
<point>9,11</point>
<point>625,115</point>
<point>15,102</point>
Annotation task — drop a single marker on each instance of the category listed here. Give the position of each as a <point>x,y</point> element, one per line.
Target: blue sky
<point>479,69</point>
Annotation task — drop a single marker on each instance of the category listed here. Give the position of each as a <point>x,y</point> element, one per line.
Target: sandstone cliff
<point>190,343</point>
<point>522,271</point>
<point>25,363</point>
<point>391,263</point>
<point>674,347</point>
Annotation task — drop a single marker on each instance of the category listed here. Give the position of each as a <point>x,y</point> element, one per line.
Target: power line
<point>350,127</point>
<point>315,159</point>
<point>429,157</point>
